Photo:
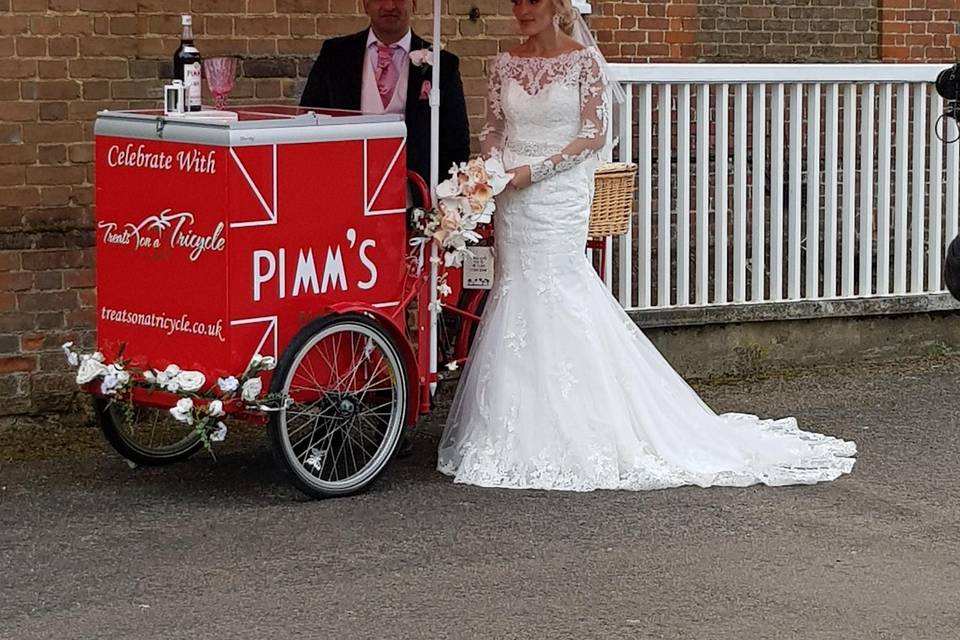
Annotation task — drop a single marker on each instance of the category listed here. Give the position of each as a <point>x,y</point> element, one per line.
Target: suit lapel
<point>414,78</point>
<point>352,81</point>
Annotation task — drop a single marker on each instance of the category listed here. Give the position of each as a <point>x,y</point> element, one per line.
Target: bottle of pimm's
<point>187,64</point>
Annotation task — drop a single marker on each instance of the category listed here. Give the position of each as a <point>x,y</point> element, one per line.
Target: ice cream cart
<point>276,232</point>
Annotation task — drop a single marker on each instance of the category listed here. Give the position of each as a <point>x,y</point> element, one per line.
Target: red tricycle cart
<point>280,234</point>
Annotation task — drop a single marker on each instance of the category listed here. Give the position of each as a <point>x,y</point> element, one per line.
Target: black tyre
<point>148,436</point>
<point>346,386</point>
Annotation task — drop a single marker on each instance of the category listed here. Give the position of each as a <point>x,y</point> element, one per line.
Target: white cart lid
<point>250,126</point>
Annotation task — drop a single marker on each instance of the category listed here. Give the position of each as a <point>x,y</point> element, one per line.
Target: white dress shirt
<point>370,101</point>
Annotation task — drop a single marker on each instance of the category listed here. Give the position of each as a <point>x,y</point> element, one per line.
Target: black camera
<point>948,83</point>
<point>948,86</point>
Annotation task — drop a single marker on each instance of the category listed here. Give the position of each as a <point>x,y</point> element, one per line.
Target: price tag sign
<point>478,268</point>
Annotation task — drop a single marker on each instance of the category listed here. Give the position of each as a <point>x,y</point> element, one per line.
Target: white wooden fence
<point>772,183</point>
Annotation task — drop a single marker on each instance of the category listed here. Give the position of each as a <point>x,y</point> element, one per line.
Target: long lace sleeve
<point>594,119</point>
<point>492,134</point>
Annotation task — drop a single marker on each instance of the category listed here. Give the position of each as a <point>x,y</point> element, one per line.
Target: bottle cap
<point>186,20</point>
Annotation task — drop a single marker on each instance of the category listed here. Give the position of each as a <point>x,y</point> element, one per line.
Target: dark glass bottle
<point>187,65</point>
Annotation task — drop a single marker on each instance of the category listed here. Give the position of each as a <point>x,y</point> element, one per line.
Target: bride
<point>562,391</point>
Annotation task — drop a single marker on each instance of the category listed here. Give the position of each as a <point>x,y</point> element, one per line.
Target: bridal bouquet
<point>465,200</point>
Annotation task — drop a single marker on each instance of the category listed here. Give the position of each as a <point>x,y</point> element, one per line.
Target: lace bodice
<point>553,110</point>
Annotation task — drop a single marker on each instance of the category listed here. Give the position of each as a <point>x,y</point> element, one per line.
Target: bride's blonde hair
<point>566,15</point>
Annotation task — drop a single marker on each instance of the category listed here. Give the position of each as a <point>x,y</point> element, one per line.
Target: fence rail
<point>777,183</point>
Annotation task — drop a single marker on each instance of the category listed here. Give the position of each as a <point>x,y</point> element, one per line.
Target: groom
<point>372,71</point>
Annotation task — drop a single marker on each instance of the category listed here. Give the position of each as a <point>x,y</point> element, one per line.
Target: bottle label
<point>191,83</point>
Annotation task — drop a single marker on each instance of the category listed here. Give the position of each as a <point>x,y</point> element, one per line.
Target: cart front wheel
<point>145,435</point>
<point>346,391</point>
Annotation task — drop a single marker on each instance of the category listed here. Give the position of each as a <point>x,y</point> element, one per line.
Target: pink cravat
<point>387,74</point>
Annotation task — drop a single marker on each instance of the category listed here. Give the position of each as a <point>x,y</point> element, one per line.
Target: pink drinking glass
<point>221,74</point>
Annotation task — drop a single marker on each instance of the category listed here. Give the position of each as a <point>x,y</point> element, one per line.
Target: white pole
<point>434,180</point>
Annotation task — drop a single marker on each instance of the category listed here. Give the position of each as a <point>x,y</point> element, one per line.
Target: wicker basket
<point>614,185</point>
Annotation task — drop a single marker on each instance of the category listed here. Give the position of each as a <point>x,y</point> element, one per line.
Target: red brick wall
<point>912,30</point>
<point>63,60</point>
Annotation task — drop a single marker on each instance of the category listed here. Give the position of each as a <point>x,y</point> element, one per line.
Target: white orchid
<point>228,384</point>
<point>449,188</point>
<point>183,411</point>
<point>251,389</point>
<point>215,409</point>
<point>190,381</point>
<point>498,176</point>
<point>220,434</point>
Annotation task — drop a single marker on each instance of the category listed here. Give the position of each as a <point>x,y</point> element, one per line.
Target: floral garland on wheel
<point>117,380</point>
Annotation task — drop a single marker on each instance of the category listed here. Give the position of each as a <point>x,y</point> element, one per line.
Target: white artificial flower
<point>172,385</point>
<point>251,389</point>
<point>228,384</point>
<point>444,290</point>
<point>183,411</point>
<point>109,385</point>
<point>171,371</point>
<point>215,409</point>
<point>421,57</point>
<point>452,365</point>
<point>150,376</point>
<point>436,305</point>
<point>499,178</point>
<point>449,188</point>
<point>89,370</point>
<point>453,258</point>
<point>123,378</point>
<point>220,434</point>
<point>191,381</point>
<point>455,203</point>
<point>97,356</point>
<point>72,358</point>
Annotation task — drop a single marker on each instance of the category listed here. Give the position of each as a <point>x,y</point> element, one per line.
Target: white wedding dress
<point>562,391</point>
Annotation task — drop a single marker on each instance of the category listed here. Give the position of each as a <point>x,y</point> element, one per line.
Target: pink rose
<point>449,223</point>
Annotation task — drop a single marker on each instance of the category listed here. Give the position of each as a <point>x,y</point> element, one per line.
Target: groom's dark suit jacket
<point>335,83</point>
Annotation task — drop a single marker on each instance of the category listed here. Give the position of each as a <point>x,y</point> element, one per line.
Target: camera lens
<point>948,83</point>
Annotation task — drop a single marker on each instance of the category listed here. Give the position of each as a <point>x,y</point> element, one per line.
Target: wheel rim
<point>153,432</point>
<point>348,394</point>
